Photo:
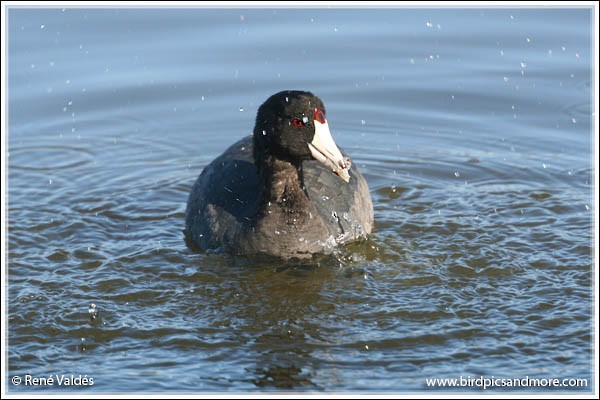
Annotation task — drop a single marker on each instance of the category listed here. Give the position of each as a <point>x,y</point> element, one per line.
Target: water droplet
<point>528,40</point>
<point>42,26</point>
<point>366,346</point>
<point>93,312</point>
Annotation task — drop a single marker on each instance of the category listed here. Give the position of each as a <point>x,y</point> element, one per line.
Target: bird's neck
<point>282,184</point>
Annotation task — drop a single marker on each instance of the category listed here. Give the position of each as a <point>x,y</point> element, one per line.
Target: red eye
<point>297,123</point>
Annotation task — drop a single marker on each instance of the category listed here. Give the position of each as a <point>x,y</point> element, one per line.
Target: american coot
<point>285,191</point>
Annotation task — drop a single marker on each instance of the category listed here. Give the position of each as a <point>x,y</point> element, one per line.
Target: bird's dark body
<point>287,191</point>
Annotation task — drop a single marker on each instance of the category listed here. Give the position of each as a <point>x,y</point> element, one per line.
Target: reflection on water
<point>471,126</point>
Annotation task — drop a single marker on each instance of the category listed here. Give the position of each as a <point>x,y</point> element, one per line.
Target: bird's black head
<point>291,125</point>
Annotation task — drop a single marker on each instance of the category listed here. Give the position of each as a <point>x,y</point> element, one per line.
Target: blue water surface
<point>472,127</point>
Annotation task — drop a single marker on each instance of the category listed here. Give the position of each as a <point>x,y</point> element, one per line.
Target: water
<point>471,126</point>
